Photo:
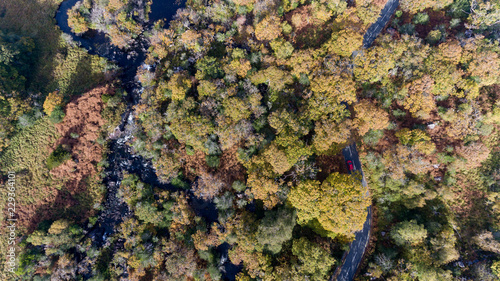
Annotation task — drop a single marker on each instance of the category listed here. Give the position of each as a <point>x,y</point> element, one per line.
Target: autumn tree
<point>368,10</point>
<point>487,242</point>
<point>328,93</point>
<point>484,13</point>
<point>188,129</point>
<point>419,99</point>
<point>419,139</point>
<point>208,186</point>
<point>403,159</point>
<point>373,65</point>
<point>415,6</point>
<point>277,158</point>
<point>77,21</point>
<point>178,84</point>
<point>369,117</point>
<point>330,202</point>
<point>451,51</point>
<point>268,28</point>
<point>473,154</point>
<point>262,182</point>
<point>461,122</point>
<point>344,43</point>
<point>328,132</point>
<point>282,49</point>
<point>275,77</point>
<point>52,100</point>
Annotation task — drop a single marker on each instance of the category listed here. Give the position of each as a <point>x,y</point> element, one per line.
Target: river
<point>121,157</point>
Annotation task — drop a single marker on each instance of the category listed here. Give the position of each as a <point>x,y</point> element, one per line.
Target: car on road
<point>350,166</point>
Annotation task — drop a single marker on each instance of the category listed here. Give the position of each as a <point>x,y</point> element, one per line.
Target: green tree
<point>282,49</point>
<point>276,228</point>
<point>408,233</point>
<point>313,262</point>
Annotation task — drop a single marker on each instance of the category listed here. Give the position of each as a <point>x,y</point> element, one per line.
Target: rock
<point>431,126</point>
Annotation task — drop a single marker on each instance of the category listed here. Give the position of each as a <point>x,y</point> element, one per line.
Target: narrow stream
<point>120,157</point>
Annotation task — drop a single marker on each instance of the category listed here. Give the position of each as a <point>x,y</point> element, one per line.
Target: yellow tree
<point>451,51</point>
<point>344,42</point>
<point>415,6</point>
<point>418,139</point>
<point>261,181</point>
<point>51,101</point>
<point>303,61</point>
<point>268,28</point>
<point>338,204</point>
<point>77,22</point>
<point>190,38</point>
<point>179,84</point>
<point>420,100</point>
<point>327,132</point>
<point>236,108</point>
<point>368,10</point>
<point>275,77</point>
<point>485,66</point>
<point>369,117</point>
<point>328,92</point>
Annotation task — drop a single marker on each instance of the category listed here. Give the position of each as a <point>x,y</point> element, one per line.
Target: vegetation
<point>41,70</point>
<point>57,157</point>
<point>121,20</point>
<point>244,116</point>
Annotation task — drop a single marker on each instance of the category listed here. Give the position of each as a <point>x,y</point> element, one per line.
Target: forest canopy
<point>236,135</point>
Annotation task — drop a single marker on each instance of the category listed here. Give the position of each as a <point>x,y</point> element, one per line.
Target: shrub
<point>212,161</point>
<point>190,150</point>
<point>57,157</point>
<point>407,29</point>
<point>372,137</point>
<point>57,115</point>
<point>421,18</point>
<point>239,186</point>
<point>434,36</point>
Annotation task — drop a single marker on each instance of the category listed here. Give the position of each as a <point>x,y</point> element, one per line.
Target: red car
<point>350,165</point>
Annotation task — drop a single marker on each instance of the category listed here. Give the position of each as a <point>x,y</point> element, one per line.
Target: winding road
<point>351,260</point>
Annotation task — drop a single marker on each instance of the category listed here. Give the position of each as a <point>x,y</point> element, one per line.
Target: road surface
<point>385,15</point>
<point>357,248</point>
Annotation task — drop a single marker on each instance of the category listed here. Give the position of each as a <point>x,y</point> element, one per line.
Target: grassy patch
<point>28,152</point>
<point>58,65</point>
<point>26,156</point>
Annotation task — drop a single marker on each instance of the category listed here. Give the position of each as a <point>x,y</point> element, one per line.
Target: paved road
<point>385,15</point>
<point>358,246</point>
